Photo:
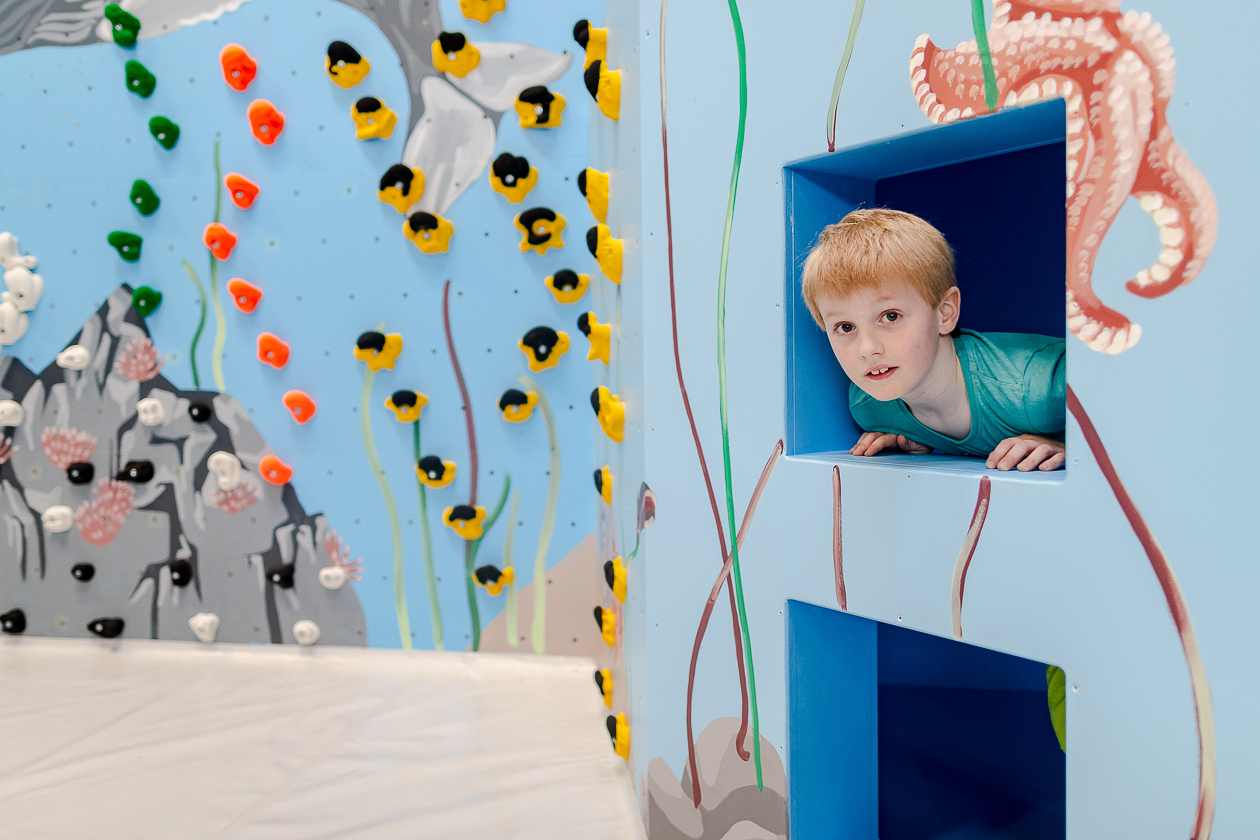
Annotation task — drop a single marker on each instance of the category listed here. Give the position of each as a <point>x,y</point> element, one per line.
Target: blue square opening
<point>995,186</point>
<point>895,734</point>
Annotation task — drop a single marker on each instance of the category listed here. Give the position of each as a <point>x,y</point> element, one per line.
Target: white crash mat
<point>182,741</point>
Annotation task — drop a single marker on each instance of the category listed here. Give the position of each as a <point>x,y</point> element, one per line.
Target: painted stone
<point>164,131</point>
<point>344,65</point>
<point>272,350</point>
<point>150,412</point>
<point>239,68</point>
<point>143,198</point>
<point>245,295</point>
<point>265,122</point>
<point>25,288</point>
<point>373,120</point>
<point>241,190</point>
<point>126,244</point>
<point>57,519</point>
<point>205,626</point>
<point>123,25</point>
<point>305,632</point>
<point>139,80</point>
<point>146,300</point>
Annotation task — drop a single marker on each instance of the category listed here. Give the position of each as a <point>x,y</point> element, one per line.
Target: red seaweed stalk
<point>1200,689</point>
<point>837,539</point>
<point>964,556</point>
<point>723,577</point>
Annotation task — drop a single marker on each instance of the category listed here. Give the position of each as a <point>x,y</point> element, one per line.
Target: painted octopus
<point>1116,73</point>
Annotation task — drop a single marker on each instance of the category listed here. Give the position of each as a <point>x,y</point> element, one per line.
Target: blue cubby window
<point>995,186</point>
<point>894,734</point>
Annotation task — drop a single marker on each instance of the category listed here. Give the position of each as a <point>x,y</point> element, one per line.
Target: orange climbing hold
<point>241,190</point>
<point>274,471</point>
<point>244,294</point>
<point>272,351</point>
<point>239,69</point>
<point>265,121</point>
<point>300,405</point>
<point>219,240</point>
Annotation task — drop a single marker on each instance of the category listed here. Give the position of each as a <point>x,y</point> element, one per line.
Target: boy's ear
<point>948,311</point>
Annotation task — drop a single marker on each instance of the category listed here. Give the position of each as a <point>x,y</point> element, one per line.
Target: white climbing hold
<point>205,626</point>
<point>306,632</point>
<point>25,288</point>
<point>9,256</point>
<point>332,577</point>
<point>226,468</point>
<point>11,413</point>
<point>13,323</point>
<point>149,410</point>
<point>57,519</point>
<point>75,357</point>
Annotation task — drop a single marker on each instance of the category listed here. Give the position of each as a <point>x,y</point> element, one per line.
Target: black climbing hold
<point>341,51</point>
<point>541,341</point>
<point>599,618</point>
<point>432,466</point>
<point>467,513</point>
<point>592,240</point>
<point>371,341</point>
<point>591,78</point>
<point>512,397</point>
<point>106,628</point>
<point>421,221</point>
<point>399,176</point>
<point>584,323</point>
<point>138,472</point>
<point>510,168</point>
<point>595,400</point>
<point>566,280</point>
<point>367,105</point>
<point>404,398</point>
<point>80,472</point>
<point>599,487</point>
<point>582,32</point>
<point>282,576</point>
<point>599,678</point>
<point>611,723</point>
<point>452,42</point>
<point>609,574</point>
<point>488,574</point>
<point>538,95</point>
<point>536,214</point>
<point>581,181</point>
<point>181,573</point>
<point>83,571</point>
<point>13,622</point>
<point>200,412</point>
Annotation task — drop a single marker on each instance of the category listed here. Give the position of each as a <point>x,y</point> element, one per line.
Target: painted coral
<point>339,555</point>
<point>235,500</point>
<point>100,520</point>
<point>140,362</point>
<point>7,449</point>
<point>65,446</point>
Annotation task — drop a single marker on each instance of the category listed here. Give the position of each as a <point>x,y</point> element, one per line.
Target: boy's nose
<point>869,346</point>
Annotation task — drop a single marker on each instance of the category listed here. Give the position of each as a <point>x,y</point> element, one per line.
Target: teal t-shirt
<point>1016,385</point>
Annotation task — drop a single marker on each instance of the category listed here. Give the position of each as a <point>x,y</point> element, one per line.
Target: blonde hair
<point>869,247</point>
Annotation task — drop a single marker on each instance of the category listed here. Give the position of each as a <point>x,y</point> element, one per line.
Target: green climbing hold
<point>139,80</point>
<point>123,25</point>
<point>164,131</point>
<point>127,245</point>
<point>146,300</point>
<point>143,198</point>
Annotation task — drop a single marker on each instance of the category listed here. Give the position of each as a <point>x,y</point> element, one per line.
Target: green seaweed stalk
<point>722,401</point>
<point>510,608</point>
<point>538,632</point>
<point>849,41</point>
<point>470,559</point>
<point>986,58</point>
<point>391,506</point>
<point>435,608</point>
<point>220,322</point>
<point>201,325</point>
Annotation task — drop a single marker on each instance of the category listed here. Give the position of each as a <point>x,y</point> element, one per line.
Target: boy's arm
<point>871,443</point>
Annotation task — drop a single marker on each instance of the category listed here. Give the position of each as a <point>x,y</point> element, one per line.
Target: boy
<point>881,284</point>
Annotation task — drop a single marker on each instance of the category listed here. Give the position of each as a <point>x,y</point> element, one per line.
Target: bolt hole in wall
<point>995,186</point>
<point>900,735</point>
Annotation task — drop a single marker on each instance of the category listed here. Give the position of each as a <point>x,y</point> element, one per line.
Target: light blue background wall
<point>1058,575</point>
<point>331,260</point>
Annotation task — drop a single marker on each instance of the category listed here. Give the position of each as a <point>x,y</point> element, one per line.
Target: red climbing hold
<point>300,405</point>
<point>244,294</point>
<point>219,240</point>
<point>274,471</point>
<point>239,69</point>
<point>241,190</point>
<point>265,121</point>
<point>272,351</point>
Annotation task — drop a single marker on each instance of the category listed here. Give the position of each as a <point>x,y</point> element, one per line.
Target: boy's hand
<point>872,442</point>
<point>1027,452</point>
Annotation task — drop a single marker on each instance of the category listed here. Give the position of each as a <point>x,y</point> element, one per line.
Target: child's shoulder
<point>1010,356</point>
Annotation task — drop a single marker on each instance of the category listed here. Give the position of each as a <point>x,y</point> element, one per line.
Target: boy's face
<point>888,339</point>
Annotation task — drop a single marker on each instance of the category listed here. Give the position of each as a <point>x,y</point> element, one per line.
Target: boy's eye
<point>844,328</point>
<point>892,316</point>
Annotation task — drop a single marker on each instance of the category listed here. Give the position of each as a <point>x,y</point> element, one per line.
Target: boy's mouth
<point>880,373</point>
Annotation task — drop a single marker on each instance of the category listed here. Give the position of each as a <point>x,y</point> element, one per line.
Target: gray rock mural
<point>110,511</point>
<point>731,807</point>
